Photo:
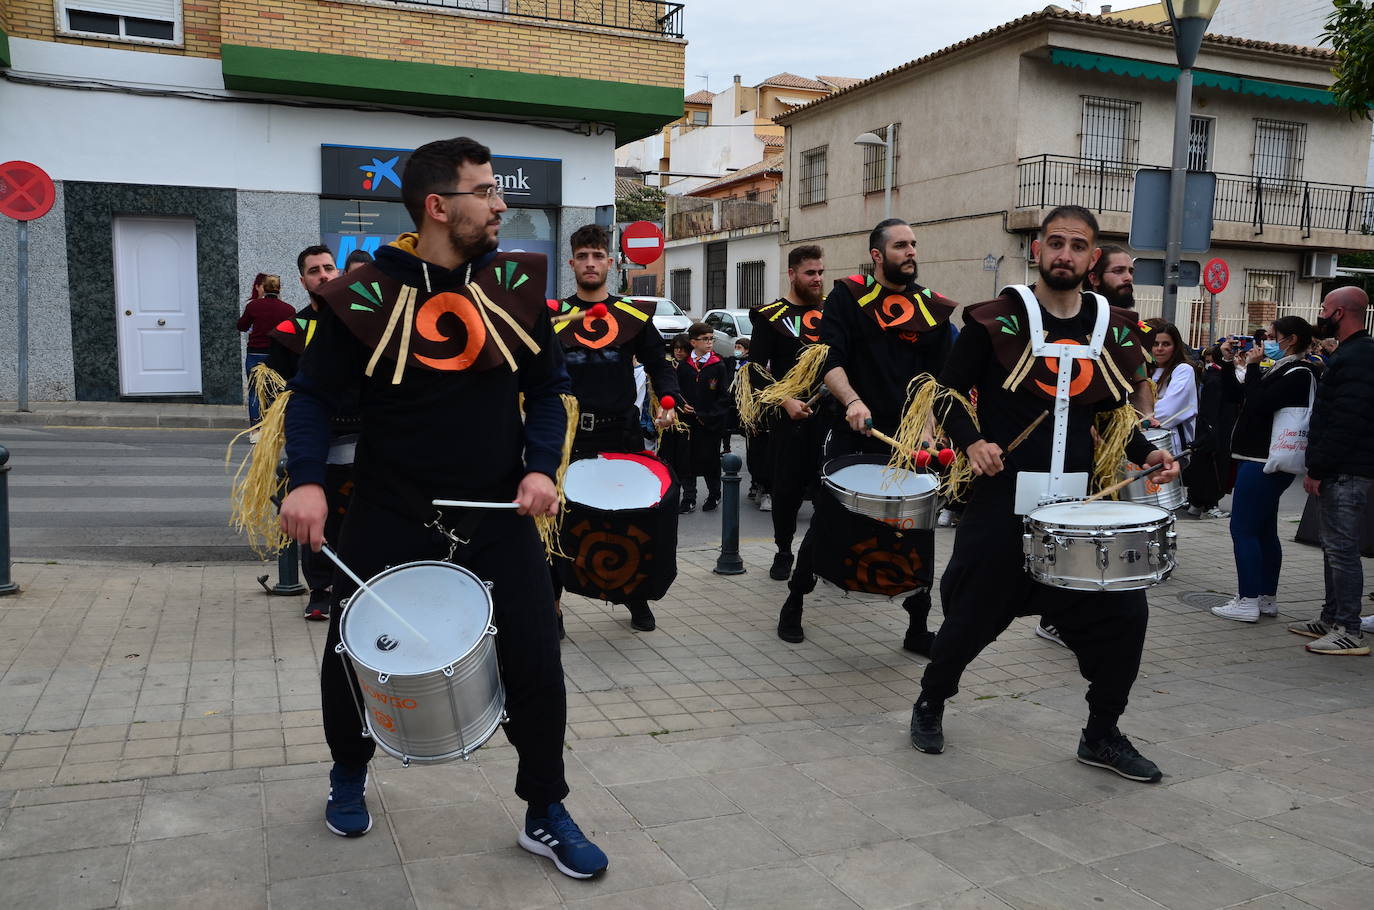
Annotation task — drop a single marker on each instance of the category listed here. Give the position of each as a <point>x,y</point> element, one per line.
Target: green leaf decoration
<point>358,288</point>
<point>523,279</point>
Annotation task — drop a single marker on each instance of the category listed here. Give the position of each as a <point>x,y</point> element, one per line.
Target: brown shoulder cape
<point>294,333</point>
<point>624,320</point>
<point>790,320</point>
<point>908,313</point>
<point>479,327</point>
<point>1111,377</point>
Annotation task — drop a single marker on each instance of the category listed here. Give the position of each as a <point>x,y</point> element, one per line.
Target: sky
<point>759,38</point>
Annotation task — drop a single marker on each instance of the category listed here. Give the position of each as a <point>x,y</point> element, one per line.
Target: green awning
<point>1141,69</point>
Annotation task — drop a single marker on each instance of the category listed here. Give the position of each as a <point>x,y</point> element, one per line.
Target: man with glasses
<point>442,337</point>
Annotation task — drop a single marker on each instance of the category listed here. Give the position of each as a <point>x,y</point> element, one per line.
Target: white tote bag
<point>1288,438</point>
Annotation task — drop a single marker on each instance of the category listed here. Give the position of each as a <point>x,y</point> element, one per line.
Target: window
<point>1279,149</point>
<point>121,20</point>
<point>811,186</point>
<point>1268,295</point>
<point>875,160</point>
<point>1200,144</point>
<point>701,118</point>
<point>867,269</point>
<point>1111,130</point>
<point>680,287</point>
<point>749,287</point>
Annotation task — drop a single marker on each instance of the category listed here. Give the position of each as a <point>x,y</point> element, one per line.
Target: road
<point>161,496</point>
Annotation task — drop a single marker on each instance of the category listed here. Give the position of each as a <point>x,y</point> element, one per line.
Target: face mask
<point>1271,350</point>
<point>739,352</point>
<point>1324,327</point>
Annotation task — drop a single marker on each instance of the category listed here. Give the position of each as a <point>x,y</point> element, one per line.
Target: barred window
<point>1279,149</point>
<point>1268,295</point>
<point>1200,144</point>
<point>1111,130</point>
<point>811,186</point>
<point>867,269</point>
<point>749,284</point>
<point>875,160</point>
<point>680,288</point>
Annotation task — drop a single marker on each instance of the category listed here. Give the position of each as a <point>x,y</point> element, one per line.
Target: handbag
<point>1288,437</point>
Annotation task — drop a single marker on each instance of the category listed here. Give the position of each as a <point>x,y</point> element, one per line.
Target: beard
<point>805,295</point>
<point>1061,282</point>
<point>895,272</point>
<point>590,284</point>
<point>1121,297</point>
<point>470,241</point>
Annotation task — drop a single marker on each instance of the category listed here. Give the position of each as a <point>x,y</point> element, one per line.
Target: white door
<point>158,314</point>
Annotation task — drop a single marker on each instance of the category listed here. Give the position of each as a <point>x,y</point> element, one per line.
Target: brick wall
<point>37,19</point>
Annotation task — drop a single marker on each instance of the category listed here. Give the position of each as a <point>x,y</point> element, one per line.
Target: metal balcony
<point>652,16</point>
<point>1045,181</point>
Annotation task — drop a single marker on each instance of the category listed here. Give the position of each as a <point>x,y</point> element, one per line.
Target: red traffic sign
<point>641,242</point>
<point>26,191</point>
<point>1215,275</point>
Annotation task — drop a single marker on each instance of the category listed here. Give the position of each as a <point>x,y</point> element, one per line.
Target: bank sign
<point>357,172</point>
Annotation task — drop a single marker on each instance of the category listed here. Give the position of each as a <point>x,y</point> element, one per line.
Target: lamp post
<point>1189,19</point>
<point>886,143</point>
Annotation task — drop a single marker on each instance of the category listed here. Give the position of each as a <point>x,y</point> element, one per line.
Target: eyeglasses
<point>705,338</point>
<point>488,193</point>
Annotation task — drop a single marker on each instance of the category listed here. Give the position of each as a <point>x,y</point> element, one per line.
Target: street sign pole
<point>26,193</point>
<point>22,315</point>
<point>1178,176</point>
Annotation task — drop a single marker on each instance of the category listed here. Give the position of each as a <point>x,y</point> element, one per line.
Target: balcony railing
<point>1105,186</point>
<point>691,216</point>
<point>653,16</point>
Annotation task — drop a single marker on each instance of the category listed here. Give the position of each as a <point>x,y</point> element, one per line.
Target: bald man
<point>1340,466</point>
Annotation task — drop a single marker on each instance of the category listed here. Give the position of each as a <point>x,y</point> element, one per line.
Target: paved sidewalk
<point>160,747</point>
<point>124,414</point>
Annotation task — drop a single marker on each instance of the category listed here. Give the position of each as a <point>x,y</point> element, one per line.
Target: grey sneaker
<point>1367,623</point>
<point>1341,641</point>
<point>1049,633</point>
<point>1311,628</point>
<point>1269,605</point>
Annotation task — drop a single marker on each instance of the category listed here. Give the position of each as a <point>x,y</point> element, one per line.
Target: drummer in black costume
<point>880,333</point>
<point>600,352</point>
<point>441,337</point>
<point>796,433</point>
<point>985,586</point>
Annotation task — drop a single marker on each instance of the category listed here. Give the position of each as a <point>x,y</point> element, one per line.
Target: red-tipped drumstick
<point>945,456</point>
<point>667,402</point>
<point>595,312</point>
<point>923,459</point>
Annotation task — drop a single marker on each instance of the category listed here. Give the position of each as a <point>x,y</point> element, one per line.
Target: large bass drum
<point>1100,546</point>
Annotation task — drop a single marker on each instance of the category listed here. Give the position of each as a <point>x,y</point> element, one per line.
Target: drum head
<point>612,482</point>
<point>1102,513</point>
<point>447,604</point>
<point>872,477</point>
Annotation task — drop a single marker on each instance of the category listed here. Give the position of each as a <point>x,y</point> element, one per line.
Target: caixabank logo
<point>363,172</point>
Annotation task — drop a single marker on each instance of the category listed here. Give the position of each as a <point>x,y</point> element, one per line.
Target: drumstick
<point>473,504</point>
<point>1122,484</point>
<point>1026,432</point>
<point>596,311</point>
<point>811,402</point>
<point>1170,417</point>
<point>363,586</point>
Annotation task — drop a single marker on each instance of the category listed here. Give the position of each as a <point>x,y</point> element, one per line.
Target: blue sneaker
<point>346,812</point>
<point>557,836</point>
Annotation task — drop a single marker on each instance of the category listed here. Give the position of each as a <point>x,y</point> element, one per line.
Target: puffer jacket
<point>1341,440</point>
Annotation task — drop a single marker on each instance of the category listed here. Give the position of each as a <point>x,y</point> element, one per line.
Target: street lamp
<point>875,139</point>
<point>1189,19</point>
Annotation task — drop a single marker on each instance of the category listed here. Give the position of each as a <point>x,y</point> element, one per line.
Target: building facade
<point>195,144</point>
<point>1062,108</point>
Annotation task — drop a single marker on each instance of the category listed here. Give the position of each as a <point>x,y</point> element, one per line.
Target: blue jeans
<point>1343,501</point>
<point>250,360</point>
<point>1255,528</point>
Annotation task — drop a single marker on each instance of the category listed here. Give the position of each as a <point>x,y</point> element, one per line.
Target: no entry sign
<point>26,191</point>
<point>641,242</point>
<point>1215,275</point>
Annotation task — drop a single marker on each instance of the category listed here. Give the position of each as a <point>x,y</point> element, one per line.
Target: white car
<point>733,323</point>
<point>668,316</point>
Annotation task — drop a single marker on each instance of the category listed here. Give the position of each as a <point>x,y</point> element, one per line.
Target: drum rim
<point>600,457</point>
<point>1165,516</point>
<point>391,570</point>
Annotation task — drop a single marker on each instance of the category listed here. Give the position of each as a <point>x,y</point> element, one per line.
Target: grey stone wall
<point>570,219</point>
<point>51,375</point>
<point>273,228</point>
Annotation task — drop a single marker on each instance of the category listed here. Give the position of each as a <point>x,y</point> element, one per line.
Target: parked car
<point>734,323</point>
<point>668,316</point>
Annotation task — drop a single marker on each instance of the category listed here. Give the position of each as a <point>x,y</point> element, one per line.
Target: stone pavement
<point>160,747</point>
<point>169,414</point>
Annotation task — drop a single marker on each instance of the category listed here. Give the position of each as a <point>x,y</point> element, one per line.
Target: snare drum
<point>620,528</point>
<point>1100,546</point>
<point>429,701</point>
<point>865,485</point>
<point>1144,489</point>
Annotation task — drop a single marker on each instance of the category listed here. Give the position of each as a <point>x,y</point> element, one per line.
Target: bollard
<point>729,562</point>
<point>288,562</point>
<point>6,585</point>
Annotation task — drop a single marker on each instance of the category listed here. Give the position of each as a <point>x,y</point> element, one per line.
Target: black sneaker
<point>789,620</point>
<point>687,507</point>
<point>317,608</point>
<point>782,567</point>
<point>1115,753</point>
<point>928,728</point>
<point>346,812</point>
<point>642,618</point>
<point>710,504</point>
<point>919,641</point>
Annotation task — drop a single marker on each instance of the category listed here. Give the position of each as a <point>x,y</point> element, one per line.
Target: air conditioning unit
<point>1319,265</point>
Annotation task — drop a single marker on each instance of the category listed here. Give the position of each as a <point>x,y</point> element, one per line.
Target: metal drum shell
<point>1100,556</point>
<point>918,512</point>
<point>1169,496</point>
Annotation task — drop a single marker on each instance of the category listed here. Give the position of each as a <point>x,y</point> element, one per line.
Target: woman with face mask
<point>1289,383</point>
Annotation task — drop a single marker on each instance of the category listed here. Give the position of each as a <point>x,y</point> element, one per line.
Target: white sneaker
<point>1215,512</point>
<point>1195,511</point>
<point>766,502</point>
<point>945,519</point>
<point>1367,623</point>
<point>1268,605</point>
<point>1241,609</point>
<point>1049,633</point>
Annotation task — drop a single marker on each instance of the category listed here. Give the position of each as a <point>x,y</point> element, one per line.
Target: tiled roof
<point>1058,14</point>
<point>774,142</point>
<point>701,97</point>
<point>771,164</point>
<point>629,186</point>
<point>791,80</point>
<point>839,82</point>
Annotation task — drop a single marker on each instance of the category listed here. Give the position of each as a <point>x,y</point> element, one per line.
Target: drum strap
<point>462,532</point>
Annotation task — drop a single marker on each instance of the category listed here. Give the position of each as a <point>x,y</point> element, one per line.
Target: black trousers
<point>703,460</point>
<point>504,550</point>
<point>795,449</point>
<point>338,488</point>
<point>985,587</point>
<point>841,440</point>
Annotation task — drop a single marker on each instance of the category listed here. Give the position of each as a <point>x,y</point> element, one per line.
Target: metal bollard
<point>729,562</point>
<point>288,562</point>
<point>7,586</point>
